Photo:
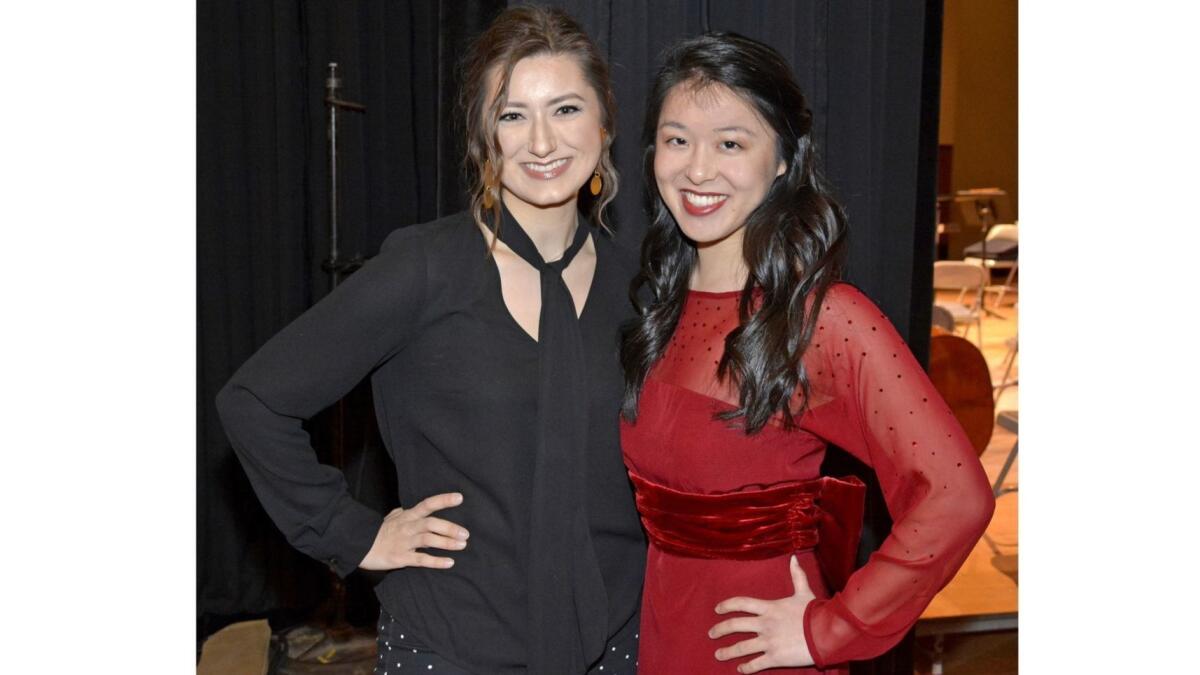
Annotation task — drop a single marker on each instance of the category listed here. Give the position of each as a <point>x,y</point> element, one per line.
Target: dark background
<point>870,70</point>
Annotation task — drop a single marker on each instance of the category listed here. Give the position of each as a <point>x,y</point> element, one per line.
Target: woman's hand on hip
<point>779,625</point>
<point>406,530</point>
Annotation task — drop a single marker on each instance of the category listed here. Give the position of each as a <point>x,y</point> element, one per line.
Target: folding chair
<point>998,251</point>
<point>1007,419</point>
<point>966,278</point>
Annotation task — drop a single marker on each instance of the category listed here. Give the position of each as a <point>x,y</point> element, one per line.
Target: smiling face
<point>550,133</point>
<point>714,161</point>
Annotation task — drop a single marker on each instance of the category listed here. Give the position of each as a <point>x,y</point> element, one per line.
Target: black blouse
<point>455,382</point>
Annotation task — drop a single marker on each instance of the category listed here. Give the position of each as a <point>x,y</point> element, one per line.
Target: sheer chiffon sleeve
<point>873,399</point>
<point>303,369</point>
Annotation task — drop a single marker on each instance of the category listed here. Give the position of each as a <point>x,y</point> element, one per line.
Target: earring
<point>597,183</point>
<point>489,185</point>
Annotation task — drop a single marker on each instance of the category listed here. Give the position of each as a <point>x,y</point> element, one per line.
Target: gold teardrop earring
<point>489,185</point>
<point>597,183</point>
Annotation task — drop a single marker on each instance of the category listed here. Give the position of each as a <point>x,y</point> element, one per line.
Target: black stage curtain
<point>869,68</point>
<point>263,214</point>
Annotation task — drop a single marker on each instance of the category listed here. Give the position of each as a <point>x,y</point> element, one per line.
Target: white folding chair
<point>1007,419</point>
<point>966,278</point>
<point>998,234</point>
<point>942,318</point>
<point>1009,359</point>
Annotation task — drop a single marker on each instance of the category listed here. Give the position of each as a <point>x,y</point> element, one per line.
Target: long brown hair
<point>518,33</point>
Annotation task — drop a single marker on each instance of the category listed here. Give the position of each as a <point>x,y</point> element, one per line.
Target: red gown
<point>870,397</point>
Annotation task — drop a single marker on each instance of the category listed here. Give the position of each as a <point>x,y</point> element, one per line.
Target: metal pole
<point>336,267</point>
<point>334,264</point>
<point>332,83</point>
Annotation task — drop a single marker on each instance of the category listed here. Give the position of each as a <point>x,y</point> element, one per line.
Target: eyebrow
<point>681,127</point>
<point>554,101</point>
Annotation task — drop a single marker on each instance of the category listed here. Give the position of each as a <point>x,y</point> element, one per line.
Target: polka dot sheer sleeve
<point>874,400</point>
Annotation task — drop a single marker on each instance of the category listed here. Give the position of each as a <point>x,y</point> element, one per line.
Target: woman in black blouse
<point>496,385</point>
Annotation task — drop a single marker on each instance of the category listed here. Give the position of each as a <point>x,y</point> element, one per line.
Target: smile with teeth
<point>548,170</point>
<point>703,201</point>
<point>697,204</point>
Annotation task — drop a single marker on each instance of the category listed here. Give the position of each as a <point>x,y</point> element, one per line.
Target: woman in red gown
<point>747,358</point>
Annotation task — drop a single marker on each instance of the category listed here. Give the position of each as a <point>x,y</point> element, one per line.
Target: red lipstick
<point>704,208</point>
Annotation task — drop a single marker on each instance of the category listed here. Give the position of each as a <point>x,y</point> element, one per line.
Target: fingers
<point>431,540</point>
<point>426,560</point>
<point>741,624</point>
<point>751,646</point>
<point>799,579</point>
<point>753,666</point>
<point>748,605</point>
<point>436,503</point>
<point>445,528</point>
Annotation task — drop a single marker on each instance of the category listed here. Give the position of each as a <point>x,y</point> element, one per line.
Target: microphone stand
<point>334,610</point>
<point>334,264</point>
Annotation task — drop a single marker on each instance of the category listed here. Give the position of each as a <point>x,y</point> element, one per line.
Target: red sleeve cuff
<point>808,633</point>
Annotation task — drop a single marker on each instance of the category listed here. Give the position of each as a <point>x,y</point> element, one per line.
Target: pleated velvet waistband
<point>823,515</point>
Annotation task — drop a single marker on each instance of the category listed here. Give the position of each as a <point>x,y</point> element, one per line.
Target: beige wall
<point>979,93</point>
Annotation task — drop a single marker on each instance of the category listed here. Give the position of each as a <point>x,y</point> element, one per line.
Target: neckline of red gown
<point>726,406</point>
<point>715,294</point>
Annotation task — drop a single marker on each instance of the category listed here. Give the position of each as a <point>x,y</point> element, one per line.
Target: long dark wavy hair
<point>794,241</point>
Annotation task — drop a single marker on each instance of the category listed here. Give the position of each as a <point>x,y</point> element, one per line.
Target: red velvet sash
<point>824,514</point>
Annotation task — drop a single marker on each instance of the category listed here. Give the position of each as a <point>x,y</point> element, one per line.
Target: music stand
<point>978,209</point>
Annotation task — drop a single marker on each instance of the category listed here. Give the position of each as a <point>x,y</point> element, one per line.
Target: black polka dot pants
<point>400,653</point>
<point>620,654</point>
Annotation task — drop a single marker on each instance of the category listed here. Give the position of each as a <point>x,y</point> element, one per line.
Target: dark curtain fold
<point>263,217</point>
<point>869,68</point>
<point>253,247</point>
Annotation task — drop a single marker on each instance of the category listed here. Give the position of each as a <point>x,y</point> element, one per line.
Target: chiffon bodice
<point>869,396</point>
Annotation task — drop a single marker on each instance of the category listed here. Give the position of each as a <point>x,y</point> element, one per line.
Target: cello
<point>961,375</point>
